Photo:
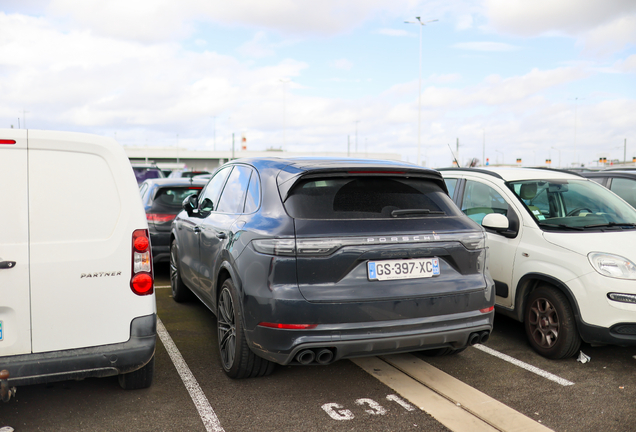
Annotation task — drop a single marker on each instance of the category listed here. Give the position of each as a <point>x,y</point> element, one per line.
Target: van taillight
<point>141,281</point>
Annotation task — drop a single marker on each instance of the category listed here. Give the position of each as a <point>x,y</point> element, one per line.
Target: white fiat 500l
<point>561,253</point>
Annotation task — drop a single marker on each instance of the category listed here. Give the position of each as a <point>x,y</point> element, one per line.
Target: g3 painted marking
<point>337,411</point>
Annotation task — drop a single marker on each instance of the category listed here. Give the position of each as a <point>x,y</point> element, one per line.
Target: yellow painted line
<point>491,411</point>
<point>444,411</point>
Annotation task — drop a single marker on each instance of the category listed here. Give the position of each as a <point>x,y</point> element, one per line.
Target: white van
<point>561,253</point>
<point>76,279</point>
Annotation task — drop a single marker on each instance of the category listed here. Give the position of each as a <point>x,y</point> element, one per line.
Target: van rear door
<point>15,310</point>
<point>84,207</point>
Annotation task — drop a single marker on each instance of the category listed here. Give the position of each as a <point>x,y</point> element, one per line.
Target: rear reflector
<point>289,326</point>
<point>5,141</point>
<point>490,309</point>
<point>160,217</point>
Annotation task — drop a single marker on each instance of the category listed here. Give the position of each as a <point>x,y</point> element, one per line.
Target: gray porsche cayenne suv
<point>308,261</point>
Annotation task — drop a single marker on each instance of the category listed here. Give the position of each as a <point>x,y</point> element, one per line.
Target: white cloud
<point>485,46</point>
<point>627,66</point>
<point>612,36</point>
<point>258,47</point>
<point>343,64</point>
<point>157,20</point>
<point>601,25</point>
<point>444,79</point>
<point>464,22</point>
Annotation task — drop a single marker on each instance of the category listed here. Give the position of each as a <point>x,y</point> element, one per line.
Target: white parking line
<point>162,286</point>
<point>209,418</point>
<point>525,366</point>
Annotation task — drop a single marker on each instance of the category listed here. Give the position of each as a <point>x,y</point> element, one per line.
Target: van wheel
<point>237,359</point>
<point>550,324</point>
<point>139,379</point>
<point>180,292</point>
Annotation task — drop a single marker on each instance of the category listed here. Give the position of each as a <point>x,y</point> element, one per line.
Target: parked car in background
<point>144,172</point>
<point>307,261</point>
<point>203,176</point>
<point>561,254</point>
<point>76,278</point>
<point>162,200</point>
<point>622,182</point>
<point>186,173</point>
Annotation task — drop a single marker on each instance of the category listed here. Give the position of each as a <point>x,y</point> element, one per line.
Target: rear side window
<point>253,197</point>
<point>169,199</point>
<point>233,197</point>
<point>366,198</point>
<point>450,185</point>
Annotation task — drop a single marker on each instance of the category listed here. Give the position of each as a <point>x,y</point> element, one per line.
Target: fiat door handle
<point>221,235</point>
<point>7,264</point>
<point>196,229</point>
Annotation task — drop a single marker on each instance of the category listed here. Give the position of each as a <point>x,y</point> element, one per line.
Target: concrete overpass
<point>202,160</point>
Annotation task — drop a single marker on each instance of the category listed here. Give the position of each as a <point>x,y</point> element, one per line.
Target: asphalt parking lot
<point>560,395</point>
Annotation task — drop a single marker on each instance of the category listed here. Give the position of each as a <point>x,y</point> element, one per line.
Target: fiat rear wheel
<point>550,324</point>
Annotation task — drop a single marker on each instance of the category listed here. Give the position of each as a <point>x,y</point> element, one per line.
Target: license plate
<point>403,269</point>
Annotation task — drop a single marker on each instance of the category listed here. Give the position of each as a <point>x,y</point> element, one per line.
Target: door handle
<point>7,264</point>
<point>196,229</point>
<point>221,235</point>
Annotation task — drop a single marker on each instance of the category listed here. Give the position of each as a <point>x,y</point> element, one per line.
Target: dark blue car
<point>308,261</point>
<point>162,198</point>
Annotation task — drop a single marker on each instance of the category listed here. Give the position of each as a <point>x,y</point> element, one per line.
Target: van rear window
<point>366,198</point>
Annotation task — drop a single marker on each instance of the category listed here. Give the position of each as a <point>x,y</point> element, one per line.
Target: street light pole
<point>284,81</point>
<point>483,150</point>
<point>419,94</point>
<point>559,150</point>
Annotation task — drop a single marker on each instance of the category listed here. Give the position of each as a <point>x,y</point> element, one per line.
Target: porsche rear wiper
<point>407,212</point>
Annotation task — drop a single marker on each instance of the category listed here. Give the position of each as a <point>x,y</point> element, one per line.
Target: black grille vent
<point>625,329</point>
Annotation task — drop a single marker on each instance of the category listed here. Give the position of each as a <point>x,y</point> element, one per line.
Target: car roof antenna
<point>451,150</point>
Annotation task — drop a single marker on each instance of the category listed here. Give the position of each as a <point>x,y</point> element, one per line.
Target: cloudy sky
<point>532,80</point>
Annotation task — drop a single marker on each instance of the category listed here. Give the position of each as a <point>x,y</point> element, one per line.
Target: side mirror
<point>499,224</point>
<point>495,221</point>
<point>191,205</point>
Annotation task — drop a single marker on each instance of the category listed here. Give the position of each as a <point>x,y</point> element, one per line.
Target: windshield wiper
<point>563,226</point>
<point>406,212</point>
<point>611,224</point>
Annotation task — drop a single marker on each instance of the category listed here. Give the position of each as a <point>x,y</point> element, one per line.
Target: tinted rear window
<point>366,198</point>
<point>169,199</point>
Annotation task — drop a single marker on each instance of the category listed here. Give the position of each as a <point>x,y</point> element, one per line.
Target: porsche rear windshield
<point>368,198</point>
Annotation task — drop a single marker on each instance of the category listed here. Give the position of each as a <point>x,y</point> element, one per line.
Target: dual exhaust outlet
<point>478,337</point>
<point>321,356</point>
